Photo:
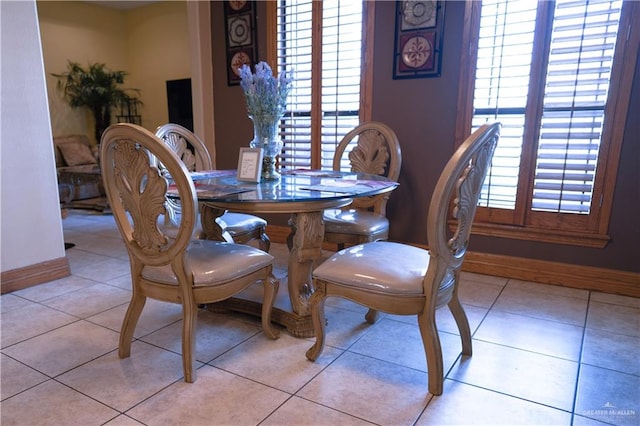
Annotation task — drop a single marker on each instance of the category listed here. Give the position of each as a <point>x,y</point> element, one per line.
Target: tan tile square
<point>110,244</point>
<point>377,391</point>
<point>10,302</point>
<point>538,378</point>
<point>109,231</point>
<point>217,397</point>
<point>215,335</point>
<point>476,293</point>
<point>16,377</point>
<point>615,299</point>
<point>55,288</point>
<point>155,315</point>
<point>608,396</point>
<point>123,282</point>
<point>300,412</point>
<point>401,343</point>
<point>123,420</point>
<point>32,320</point>
<point>279,363</point>
<point>532,334</point>
<point>461,404</point>
<point>52,403</point>
<point>585,421</point>
<point>617,352</point>
<point>446,322</point>
<point>104,270</point>
<point>123,383</point>
<point>549,289</point>
<point>522,300</point>
<point>90,300</point>
<point>79,258</point>
<point>481,278</point>
<point>614,318</point>
<point>64,348</point>
<point>344,327</point>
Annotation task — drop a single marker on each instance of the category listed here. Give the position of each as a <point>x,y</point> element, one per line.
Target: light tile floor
<point>542,355</point>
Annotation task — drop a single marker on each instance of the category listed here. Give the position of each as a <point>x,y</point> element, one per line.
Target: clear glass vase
<point>266,135</point>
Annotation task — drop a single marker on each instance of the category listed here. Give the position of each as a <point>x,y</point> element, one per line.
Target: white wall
<point>31,230</point>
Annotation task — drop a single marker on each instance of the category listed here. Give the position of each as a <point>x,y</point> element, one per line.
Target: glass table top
<point>294,186</point>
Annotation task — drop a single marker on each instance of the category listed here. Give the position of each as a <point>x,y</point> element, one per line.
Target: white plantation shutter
<point>573,98</point>
<point>336,94</point>
<point>580,60</point>
<point>294,38</point>
<point>341,62</point>
<point>503,68</point>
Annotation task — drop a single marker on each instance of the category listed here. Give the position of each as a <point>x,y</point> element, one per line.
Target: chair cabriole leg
<point>270,285</point>
<point>189,323</point>
<point>134,310</point>
<point>129,323</point>
<point>264,243</point>
<point>189,319</point>
<point>463,324</point>
<point>316,303</point>
<point>433,351</point>
<point>371,316</point>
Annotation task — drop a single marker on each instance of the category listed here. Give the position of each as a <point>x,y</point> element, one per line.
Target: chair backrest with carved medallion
<point>455,200</point>
<point>192,152</point>
<point>376,150</point>
<point>189,148</point>
<point>137,189</point>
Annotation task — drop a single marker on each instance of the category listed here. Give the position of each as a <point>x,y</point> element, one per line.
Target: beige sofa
<point>79,173</point>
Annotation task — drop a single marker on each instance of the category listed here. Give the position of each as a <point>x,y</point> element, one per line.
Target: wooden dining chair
<point>176,268</point>
<point>405,280</point>
<point>369,148</point>
<point>243,228</point>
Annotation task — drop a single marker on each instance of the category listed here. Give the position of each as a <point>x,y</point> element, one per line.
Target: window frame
<point>522,223</point>
<point>366,68</point>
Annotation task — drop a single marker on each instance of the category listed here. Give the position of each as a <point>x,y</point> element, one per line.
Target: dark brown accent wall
<point>423,113</point>
<point>233,128</point>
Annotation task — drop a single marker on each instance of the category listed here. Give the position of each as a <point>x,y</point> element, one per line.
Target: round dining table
<point>304,195</point>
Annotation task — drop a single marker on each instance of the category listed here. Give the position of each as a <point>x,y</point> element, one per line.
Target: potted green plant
<point>96,88</point>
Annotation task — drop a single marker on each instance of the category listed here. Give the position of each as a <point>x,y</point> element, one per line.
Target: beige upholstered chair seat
<point>232,261</point>
<point>236,224</point>
<point>402,271</point>
<point>355,222</point>
<point>239,223</point>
